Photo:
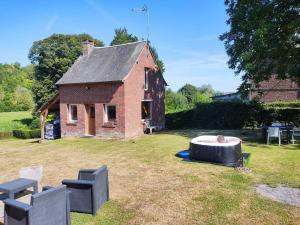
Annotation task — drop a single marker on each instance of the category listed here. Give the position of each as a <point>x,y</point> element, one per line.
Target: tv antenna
<point>145,10</point>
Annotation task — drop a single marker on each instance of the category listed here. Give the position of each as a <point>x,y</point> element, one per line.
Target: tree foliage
<point>15,87</point>
<point>123,37</point>
<point>264,39</point>
<point>188,97</point>
<point>51,58</point>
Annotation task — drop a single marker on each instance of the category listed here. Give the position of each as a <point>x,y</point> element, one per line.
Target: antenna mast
<point>145,10</point>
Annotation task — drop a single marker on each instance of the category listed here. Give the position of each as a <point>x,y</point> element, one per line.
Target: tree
<point>23,99</point>
<point>123,37</point>
<point>15,85</point>
<point>264,39</point>
<point>188,91</point>
<point>52,57</point>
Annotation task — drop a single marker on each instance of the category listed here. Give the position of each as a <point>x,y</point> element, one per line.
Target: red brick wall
<point>135,93</point>
<point>276,90</point>
<point>97,94</point>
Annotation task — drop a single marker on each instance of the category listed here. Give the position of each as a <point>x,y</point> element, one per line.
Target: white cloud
<point>51,23</point>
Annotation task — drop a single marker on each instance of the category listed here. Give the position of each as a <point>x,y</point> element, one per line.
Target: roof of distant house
<point>104,64</point>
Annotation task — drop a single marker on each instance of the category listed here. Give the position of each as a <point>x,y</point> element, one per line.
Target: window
<point>73,113</point>
<point>146,85</point>
<point>146,110</point>
<point>110,114</point>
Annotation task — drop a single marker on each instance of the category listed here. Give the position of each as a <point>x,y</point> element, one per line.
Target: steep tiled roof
<point>104,64</point>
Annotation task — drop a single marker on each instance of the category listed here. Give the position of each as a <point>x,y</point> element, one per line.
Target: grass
<point>14,120</point>
<point>149,185</point>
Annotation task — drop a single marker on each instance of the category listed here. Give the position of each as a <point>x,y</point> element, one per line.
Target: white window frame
<point>70,113</point>
<point>146,78</point>
<point>105,113</point>
<point>151,106</point>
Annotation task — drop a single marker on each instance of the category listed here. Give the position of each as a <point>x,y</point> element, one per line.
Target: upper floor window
<point>73,113</point>
<point>146,76</point>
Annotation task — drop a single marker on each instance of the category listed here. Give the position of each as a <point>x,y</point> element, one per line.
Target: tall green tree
<point>264,39</point>
<point>51,58</point>
<point>189,91</point>
<point>123,37</point>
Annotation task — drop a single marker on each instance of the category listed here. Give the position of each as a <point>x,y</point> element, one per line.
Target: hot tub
<point>207,148</point>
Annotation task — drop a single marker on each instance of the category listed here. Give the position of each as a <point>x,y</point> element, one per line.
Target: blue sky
<point>185,33</point>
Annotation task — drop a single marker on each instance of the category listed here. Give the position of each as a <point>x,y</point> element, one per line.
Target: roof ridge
<point>121,44</point>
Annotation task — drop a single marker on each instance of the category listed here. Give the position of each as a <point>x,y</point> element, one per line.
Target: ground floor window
<point>110,113</point>
<point>146,110</point>
<point>72,113</point>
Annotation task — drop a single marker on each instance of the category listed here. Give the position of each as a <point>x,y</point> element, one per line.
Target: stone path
<point>281,194</point>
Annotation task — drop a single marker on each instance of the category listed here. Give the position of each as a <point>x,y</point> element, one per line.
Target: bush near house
<point>27,134</point>
<point>231,115</point>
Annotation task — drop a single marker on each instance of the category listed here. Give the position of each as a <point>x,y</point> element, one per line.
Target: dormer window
<point>146,82</point>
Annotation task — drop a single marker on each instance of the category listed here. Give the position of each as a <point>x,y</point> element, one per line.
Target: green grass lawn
<point>149,185</point>
<point>14,120</point>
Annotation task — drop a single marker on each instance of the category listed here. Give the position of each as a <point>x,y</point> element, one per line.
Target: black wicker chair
<point>90,191</point>
<point>47,207</point>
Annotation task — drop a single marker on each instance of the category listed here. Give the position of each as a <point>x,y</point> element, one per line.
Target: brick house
<point>110,92</point>
<point>276,90</point>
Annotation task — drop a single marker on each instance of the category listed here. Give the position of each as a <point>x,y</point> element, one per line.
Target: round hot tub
<point>216,149</point>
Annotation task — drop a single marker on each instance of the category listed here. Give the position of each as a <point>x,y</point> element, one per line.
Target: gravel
<point>281,194</point>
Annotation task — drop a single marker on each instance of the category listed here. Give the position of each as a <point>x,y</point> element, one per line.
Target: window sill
<point>72,123</point>
<point>109,125</point>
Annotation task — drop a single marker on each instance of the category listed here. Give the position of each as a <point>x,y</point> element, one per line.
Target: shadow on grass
<point>26,121</point>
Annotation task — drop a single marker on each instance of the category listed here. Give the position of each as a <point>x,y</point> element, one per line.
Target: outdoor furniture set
<point>54,204</point>
<point>277,129</point>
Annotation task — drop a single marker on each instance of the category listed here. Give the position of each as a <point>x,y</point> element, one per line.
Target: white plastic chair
<point>274,132</point>
<point>295,133</point>
<point>276,124</point>
<point>149,126</point>
<point>33,173</point>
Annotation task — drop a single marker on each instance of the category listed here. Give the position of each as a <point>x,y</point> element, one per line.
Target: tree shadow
<point>26,121</point>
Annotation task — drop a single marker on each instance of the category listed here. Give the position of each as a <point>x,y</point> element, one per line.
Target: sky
<point>185,33</point>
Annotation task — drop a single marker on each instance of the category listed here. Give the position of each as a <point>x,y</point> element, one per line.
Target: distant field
<point>14,120</point>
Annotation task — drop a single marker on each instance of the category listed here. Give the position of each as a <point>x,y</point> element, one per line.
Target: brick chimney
<point>87,47</point>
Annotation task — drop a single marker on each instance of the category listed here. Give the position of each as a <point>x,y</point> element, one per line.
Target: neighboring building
<point>227,97</point>
<point>111,91</point>
<point>276,90</point>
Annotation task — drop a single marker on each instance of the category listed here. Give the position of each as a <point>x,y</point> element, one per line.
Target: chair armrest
<point>86,174</point>
<point>45,188</point>
<point>16,204</point>
<point>78,183</point>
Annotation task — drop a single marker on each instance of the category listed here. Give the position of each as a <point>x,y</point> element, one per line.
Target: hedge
<point>27,134</point>
<point>6,134</point>
<point>231,115</point>
<point>288,104</point>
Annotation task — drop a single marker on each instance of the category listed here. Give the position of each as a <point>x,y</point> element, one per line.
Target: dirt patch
<point>281,194</point>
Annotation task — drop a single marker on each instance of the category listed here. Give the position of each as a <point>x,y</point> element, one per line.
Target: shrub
<point>289,104</point>
<point>35,123</point>
<point>27,134</point>
<point>231,115</point>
